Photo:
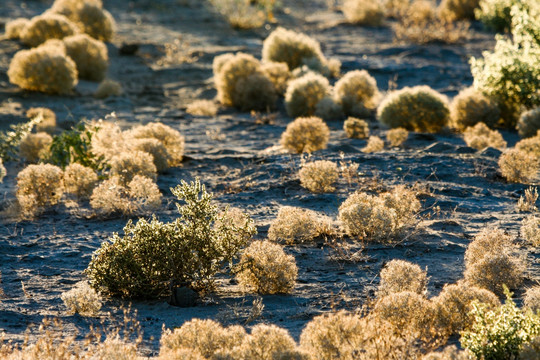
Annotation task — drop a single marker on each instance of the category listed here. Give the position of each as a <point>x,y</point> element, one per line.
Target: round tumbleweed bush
<point>400,275</point>
<point>419,108</point>
<point>79,180</point>
<point>363,12</point>
<point>14,28</point>
<point>44,27</point>
<point>90,56</point>
<point>305,134</point>
<point>493,271</point>
<point>319,176</point>
<point>356,128</point>
<point>357,93</point>
<point>39,186</point>
<point>471,107</point>
<point>173,141</point>
<point>266,269</point>
<point>34,147</point>
<point>518,166</point>
<point>303,94</point>
<point>529,123</point>
<point>294,225</point>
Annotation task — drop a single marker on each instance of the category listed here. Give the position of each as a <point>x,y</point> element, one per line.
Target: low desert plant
<point>240,14</point>
<point>11,139</point>
<point>155,148</point>
<point>319,176</point>
<point>44,27</point>
<point>172,139</point>
<point>452,10</point>
<point>328,109</point>
<point>530,145</point>
<point>303,94</point>
<point>396,137</point>
<point>396,8</point>
<point>268,342</point>
<point>90,56</point>
<point>305,134</point>
<point>154,256</point>
<point>266,269</point>
<point>202,108</point>
<point>127,165</point>
<point>471,107</point>
<point>518,166</point>
<point>15,27</point>
<point>493,271</point>
<point>279,75</point>
<point>529,123</point>
<point>108,88</point>
<point>74,146</point>
<point>357,93</point>
<point>450,352</point>
<point>294,225</point>
<point>47,119</point>
<point>531,299</point>
<point>106,139</point>
<point>527,202</point>
<point>374,144</point>
<point>89,16</point>
<point>356,128</point>
<point>69,8</point>
<point>39,186</point>
<point>363,12</point>
<point>415,109</point>
<point>35,147</point>
<point>400,275</point>
<point>82,300</point>
<point>488,241</point>
<point>530,230</point>
<point>3,171</point>
<point>480,136</point>
<point>79,180</point>
<point>495,14</point>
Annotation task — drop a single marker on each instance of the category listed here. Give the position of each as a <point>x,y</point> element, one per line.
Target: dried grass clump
<point>400,275</point>
<point>107,140</point>
<point>356,128</point>
<point>396,137</point>
<point>48,119</point>
<point>527,202</point>
<point>96,22</point>
<point>45,68</point>
<point>530,145</point>
<point>69,8</point>
<point>267,342</point>
<point>82,300</point>
<point>449,353</point>
<point>171,138</point>
<point>495,270</point>
<point>108,88</point>
<point>488,241</point>
<point>319,176</point>
<point>241,82</point>
<point>374,144</point>
<point>530,230</point>
<point>240,14</point>
<point>328,110</point>
<point>303,94</point>
<point>357,93</point>
<point>202,108</point>
<point>79,180</point>
<point>34,147</point>
<point>294,225</point>
<point>396,8</point>
<point>39,186</point>
<point>419,108</point>
<point>480,136</point>
<point>471,107</point>
<point>44,27</point>
<point>531,300</point>
<point>155,148</point>
<point>363,12</point>
<point>279,75</point>
<point>127,165</point>
<point>454,304</point>
<point>266,269</point>
<point>305,134</point>
<point>15,27</point>
<point>518,166</point>
<point>529,123</point>
<point>90,56</point>
<point>452,10</point>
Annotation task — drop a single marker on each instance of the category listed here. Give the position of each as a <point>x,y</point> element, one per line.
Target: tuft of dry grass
<point>304,94</point>
<point>396,137</point>
<point>47,26</point>
<point>296,225</point>
<point>357,93</point>
<point>48,119</point>
<point>530,230</point>
<point>279,74</point>
<point>202,108</point>
<point>400,275</point>
<point>328,110</point>
<point>15,27</point>
<point>155,148</point>
<point>240,14</point>
<point>518,166</point>
<point>319,176</point>
<point>127,165</point>
<point>305,134</point>
<point>528,202</point>
<point>82,299</point>
<point>374,144</point>
<point>172,139</point>
<point>480,137</point>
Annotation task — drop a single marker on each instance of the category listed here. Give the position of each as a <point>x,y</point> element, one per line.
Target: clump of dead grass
<point>79,180</point>
<point>518,166</point>
<point>400,275</point>
<point>305,134</point>
<point>35,147</point>
<point>356,128</point>
<point>374,144</point>
<point>202,108</point>
<point>480,136</point>
<point>363,12</point>
<point>471,107</point>
<point>357,93</point>
<point>90,56</point>
<point>15,27</point>
<point>319,176</point>
<point>107,88</point>
<point>304,94</point>
<point>396,137</point>
<point>47,26</point>
<point>82,299</point>
<point>39,186</point>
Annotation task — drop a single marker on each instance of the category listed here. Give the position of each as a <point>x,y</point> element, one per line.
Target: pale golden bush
<point>34,147</point>
<point>15,27</point>
<point>396,137</point>
<point>518,166</point>
<point>531,299</point>
<point>113,348</point>
<point>220,61</point>
<point>374,144</point>
<point>266,342</point>
<point>400,275</point>
<point>356,128</point>
<point>319,176</point>
<point>471,107</point>
<point>480,137</point>
<point>530,230</point>
<point>44,27</point>
<point>127,165</point>
<point>529,123</point>
<point>48,119</point>
<point>294,225</point>
<point>396,8</point>
<point>357,93</point>
<point>495,270</point>
<point>202,108</point>
<point>303,94</point>
<point>449,353</point>
<point>305,134</point>
<point>452,10</point>
<point>82,300</point>
<point>266,269</point>
<point>171,138</point>
<point>363,12</point>
<point>45,68</point>
<point>279,75</point>
<point>107,140</point>
<point>182,354</point>
<point>96,22</point>
<point>527,202</point>
<point>39,186</point>
<point>70,8</point>
<point>240,14</point>
<point>90,56</point>
<point>530,145</point>
<point>108,88</point>
<point>155,148</point>
<point>79,180</point>
<point>488,241</point>
<point>328,110</point>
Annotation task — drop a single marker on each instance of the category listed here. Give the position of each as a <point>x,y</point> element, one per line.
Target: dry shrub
<point>518,166</point>
<point>529,123</point>
<point>82,300</point>
<point>45,68</point>
<point>531,350</point>
<point>328,110</point>
<point>90,56</point>
<point>495,270</point>
<point>48,119</point>
<point>127,165</point>
<point>305,134</point>
<point>400,275</point>
<point>182,354</point>
<point>39,186</point>
<point>528,201</point>
<point>266,342</point>
<point>396,137</point>
<point>319,176</point>
<point>530,230</point>
<point>266,269</point>
<point>241,82</point>
<point>396,8</point>
<point>44,27</point>
<point>488,241</point>
<point>419,108</point>
<point>450,352</point>
<point>79,180</point>
<point>171,138</point>
<point>454,304</point>
<point>34,147</point>
<point>107,139</point>
<point>96,22</point>
<point>363,12</point>
<point>480,136</point>
<point>220,61</point>
<point>303,94</point>
<point>374,144</point>
<point>294,225</point>
<point>69,8</point>
<point>3,171</point>
<point>114,348</point>
<point>452,10</point>
<point>140,196</point>
<point>356,128</point>
<point>202,108</point>
<point>108,88</point>
<point>357,93</point>
<point>240,14</point>
<point>471,107</point>
<point>155,148</point>
<point>530,145</point>
<point>531,299</point>
<point>279,75</point>
<point>15,27</point>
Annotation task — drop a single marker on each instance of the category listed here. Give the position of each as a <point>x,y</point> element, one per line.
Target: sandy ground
<point>462,190</point>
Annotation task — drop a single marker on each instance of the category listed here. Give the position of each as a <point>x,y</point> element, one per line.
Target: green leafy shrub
<point>304,94</point>
<point>357,93</point>
<point>90,56</point>
<point>44,27</point>
<point>416,109</point>
<point>152,255</point>
<point>471,107</point>
<point>74,146</point>
<point>305,134</point>
<point>529,123</point>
